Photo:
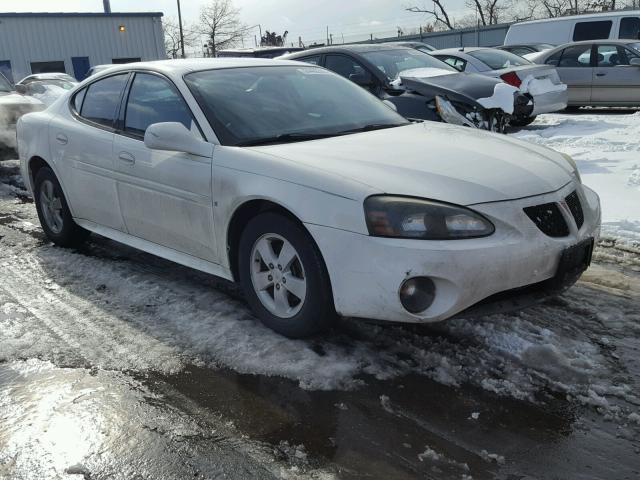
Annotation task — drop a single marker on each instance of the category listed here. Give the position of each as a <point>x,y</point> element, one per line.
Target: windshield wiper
<point>370,127</point>
<point>284,138</point>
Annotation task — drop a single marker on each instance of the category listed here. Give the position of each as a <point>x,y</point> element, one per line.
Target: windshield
<point>392,62</point>
<point>498,59</point>
<point>5,86</point>
<point>253,104</point>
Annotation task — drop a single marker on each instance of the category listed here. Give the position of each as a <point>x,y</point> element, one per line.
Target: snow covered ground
<point>108,307</point>
<point>606,147</point>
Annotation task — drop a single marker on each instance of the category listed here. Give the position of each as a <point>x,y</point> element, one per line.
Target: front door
<point>165,197</point>
<point>615,82</point>
<point>82,145</point>
<point>575,69</point>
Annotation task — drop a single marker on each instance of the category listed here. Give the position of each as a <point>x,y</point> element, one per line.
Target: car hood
<point>436,161</point>
<point>471,85</point>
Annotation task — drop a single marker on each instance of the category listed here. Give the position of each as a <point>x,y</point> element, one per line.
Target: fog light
<point>417,294</point>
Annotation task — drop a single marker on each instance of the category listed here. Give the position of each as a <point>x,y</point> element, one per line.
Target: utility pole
<point>181,33</point>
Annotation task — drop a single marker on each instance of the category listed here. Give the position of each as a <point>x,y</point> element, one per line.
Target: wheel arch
<point>245,212</point>
<point>35,164</point>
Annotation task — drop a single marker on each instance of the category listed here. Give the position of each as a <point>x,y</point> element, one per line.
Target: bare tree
<point>172,37</point>
<point>220,23</point>
<point>438,12</point>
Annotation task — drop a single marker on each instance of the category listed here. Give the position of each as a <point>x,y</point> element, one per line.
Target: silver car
<point>540,83</point>
<point>598,72</point>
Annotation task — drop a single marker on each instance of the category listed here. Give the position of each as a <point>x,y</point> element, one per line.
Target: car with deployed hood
<point>421,86</point>
<point>12,106</point>
<point>312,194</point>
<point>540,83</point>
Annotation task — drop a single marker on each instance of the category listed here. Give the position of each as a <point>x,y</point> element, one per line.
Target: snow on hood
<point>422,160</point>
<point>425,72</point>
<point>502,98</point>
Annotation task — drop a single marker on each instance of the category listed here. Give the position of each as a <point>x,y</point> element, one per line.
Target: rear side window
<point>592,30</point>
<point>630,28</point>
<point>102,99</point>
<point>315,60</point>
<point>153,99</point>
<point>576,56</point>
<point>455,62</point>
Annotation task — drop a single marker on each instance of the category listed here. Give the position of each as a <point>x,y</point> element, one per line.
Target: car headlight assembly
<point>407,217</point>
<point>573,165</point>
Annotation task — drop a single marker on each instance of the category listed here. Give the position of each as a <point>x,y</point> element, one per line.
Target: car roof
<point>461,50</point>
<point>585,17</point>
<point>180,67</point>
<point>356,47</point>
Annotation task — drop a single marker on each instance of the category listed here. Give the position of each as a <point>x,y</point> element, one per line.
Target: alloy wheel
<point>51,205</point>
<point>277,275</point>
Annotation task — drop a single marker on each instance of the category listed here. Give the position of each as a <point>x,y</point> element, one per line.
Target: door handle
<point>62,139</point>
<point>127,158</point>
<point>600,74</point>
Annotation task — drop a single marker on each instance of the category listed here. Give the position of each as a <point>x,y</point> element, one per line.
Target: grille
<point>548,219</point>
<point>573,202</point>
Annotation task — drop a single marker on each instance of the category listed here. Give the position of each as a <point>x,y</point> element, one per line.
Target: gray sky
<point>306,18</point>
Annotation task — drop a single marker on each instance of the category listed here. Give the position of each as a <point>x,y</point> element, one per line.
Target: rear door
<point>616,82</point>
<point>575,69</point>
<point>81,145</point>
<point>165,197</point>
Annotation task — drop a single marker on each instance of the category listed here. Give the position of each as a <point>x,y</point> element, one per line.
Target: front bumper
<point>366,272</point>
<point>550,102</point>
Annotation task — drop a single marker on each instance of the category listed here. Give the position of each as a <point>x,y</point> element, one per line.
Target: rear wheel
<point>284,278</point>
<point>53,211</point>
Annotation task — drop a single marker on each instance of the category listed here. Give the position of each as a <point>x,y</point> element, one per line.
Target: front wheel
<point>284,278</point>
<point>53,211</point>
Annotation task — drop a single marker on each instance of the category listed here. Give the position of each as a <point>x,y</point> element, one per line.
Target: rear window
<point>592,30</point>
<point>498,59</point>
<point>630,28</point>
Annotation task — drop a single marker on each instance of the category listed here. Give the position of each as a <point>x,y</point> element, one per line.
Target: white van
<point>596,26</point>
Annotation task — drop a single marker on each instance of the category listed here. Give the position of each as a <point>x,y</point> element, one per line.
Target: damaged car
<point>421,86</point>
<point>309,192</point>
<point>541,84</point>
<point>12,106</point>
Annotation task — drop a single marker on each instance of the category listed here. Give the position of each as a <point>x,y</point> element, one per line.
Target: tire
<point>53,211</point>
<point>522,122</point>
<point>261,253</point>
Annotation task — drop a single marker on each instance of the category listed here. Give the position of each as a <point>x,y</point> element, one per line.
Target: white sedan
<point>307,190</point>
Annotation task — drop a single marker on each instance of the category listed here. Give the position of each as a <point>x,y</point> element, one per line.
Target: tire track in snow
<point>83,326</point>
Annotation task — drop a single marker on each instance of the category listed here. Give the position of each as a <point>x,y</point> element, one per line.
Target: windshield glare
<point>392,62</point>
<point>251,103</point>
<point>498,59</point>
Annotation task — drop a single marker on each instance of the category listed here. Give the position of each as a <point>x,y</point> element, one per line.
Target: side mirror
<point>174,137</point>
<point>635,62</point>
<point>364,79</point>
<point>21,89</point>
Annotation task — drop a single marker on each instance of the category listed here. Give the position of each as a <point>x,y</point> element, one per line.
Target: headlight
<point>449,114</point>
<point>572,162</point>
<point>404,217</point>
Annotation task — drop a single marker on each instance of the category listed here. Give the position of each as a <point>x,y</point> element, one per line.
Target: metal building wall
<point>26,38</point>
